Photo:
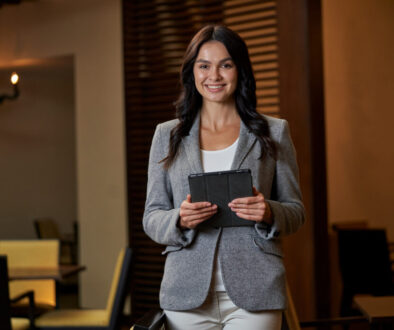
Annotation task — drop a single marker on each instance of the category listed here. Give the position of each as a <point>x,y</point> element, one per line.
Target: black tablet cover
<point>221,188</point>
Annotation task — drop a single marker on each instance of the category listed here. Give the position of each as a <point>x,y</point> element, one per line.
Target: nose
<point>214,74</point>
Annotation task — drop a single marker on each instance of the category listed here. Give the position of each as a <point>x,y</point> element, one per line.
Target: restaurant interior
<point>94,78</point>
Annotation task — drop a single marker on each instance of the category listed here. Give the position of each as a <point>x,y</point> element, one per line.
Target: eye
<point>227,65</point>
<point>203,66</point>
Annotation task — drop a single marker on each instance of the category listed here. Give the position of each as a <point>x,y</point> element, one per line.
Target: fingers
<point>187,204</point>
<point>256,198</point>
<point>246,206</point>
<point>258,217</point>
<point>249,208</point>
<point>250,214</point>
<point>247,211</point>
<point>199,213</point>
<point>192,214</point>
<point>247,201</point>
<point>193,221</point>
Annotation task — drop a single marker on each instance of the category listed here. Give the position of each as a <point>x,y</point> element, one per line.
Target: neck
<point>217,115</point>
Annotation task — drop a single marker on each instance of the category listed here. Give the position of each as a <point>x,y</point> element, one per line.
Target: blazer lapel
<point>245,143</point>
<point>192,146</point>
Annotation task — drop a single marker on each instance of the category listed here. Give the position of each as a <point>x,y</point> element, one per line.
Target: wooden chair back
<point>46,228</point>
<point>6,322</point>
<point>33,253</point>
<point>5,319</point>
<point>119,288</point>
<point>364,263</point>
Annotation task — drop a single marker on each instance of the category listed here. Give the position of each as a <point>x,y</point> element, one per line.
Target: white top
<point>218,160</point>
<point>213,161</point>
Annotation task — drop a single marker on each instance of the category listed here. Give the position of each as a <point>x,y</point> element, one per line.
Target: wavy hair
<point>190,101</point>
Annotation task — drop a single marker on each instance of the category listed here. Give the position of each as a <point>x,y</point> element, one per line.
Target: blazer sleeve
<point>160,216</point>
<point>286,199</point>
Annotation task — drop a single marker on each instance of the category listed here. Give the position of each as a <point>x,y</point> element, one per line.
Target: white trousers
<point>219,312</point>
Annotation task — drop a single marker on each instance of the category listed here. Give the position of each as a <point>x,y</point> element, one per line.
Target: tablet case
<point>221,188</point>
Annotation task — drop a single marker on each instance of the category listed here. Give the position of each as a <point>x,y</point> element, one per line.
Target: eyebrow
<point>221,61</point>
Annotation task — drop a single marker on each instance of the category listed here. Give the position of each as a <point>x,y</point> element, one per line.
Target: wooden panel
<point>256,22</point>
<point>302,103</point>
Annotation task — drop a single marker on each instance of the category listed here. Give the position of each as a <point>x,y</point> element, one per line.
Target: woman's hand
<point>192,214</point>
<point>252,208</point>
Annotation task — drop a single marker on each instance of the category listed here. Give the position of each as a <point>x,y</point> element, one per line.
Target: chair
<point>365,265</point>
<point>46,228</point>
<point>108,318</point>
<point>6,322</point>
<point>155,319</point>
<point>32,253</point>
<point>350,224</point>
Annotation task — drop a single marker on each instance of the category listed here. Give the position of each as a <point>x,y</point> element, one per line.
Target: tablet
<point>221,188</point>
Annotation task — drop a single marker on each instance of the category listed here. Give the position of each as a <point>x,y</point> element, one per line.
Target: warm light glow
<point>14,78</point>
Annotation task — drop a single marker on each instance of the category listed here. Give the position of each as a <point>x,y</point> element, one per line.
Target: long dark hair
<point>190,101</point>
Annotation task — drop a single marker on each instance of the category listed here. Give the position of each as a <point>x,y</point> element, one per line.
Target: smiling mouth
<point>215,88</point>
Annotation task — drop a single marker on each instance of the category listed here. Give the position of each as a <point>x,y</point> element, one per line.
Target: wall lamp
<point>14,81</point>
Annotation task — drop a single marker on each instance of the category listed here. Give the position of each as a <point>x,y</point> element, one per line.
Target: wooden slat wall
<point>256,22</point>
<point>156,33</point>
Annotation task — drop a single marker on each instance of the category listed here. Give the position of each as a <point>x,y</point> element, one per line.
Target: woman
<point>230,277</point>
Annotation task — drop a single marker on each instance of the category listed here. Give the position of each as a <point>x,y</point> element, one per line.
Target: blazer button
<point>276,233</point>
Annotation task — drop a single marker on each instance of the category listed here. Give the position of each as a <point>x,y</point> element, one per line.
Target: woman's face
<point>215,73</point>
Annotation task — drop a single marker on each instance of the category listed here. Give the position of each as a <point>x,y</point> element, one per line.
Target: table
<point>58,274</point>
<point>378,309</point>
<point>41,273</point>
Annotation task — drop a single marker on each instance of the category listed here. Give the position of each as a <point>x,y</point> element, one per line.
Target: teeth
<point>215,87</point>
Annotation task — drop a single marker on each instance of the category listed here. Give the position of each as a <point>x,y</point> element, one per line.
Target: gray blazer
<point>250,257</point>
